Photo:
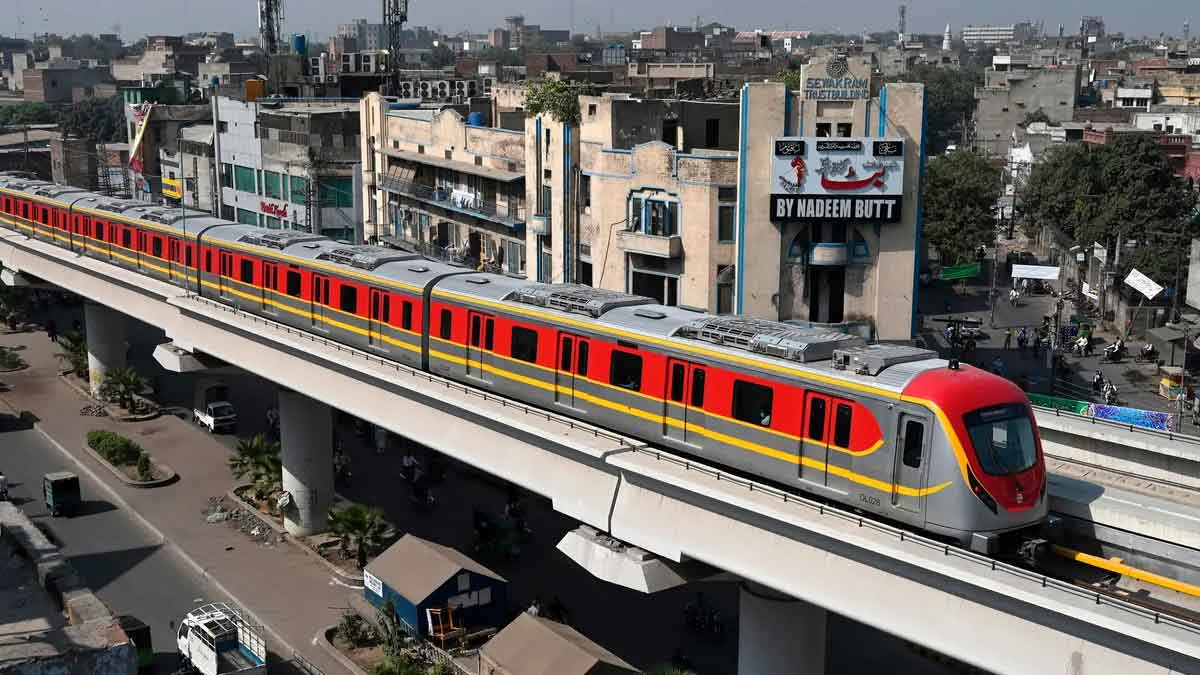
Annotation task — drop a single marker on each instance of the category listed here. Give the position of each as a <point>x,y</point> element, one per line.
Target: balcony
<point>649,244</point>
<point>512,217</point>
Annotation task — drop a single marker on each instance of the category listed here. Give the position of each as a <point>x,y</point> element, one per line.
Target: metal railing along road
<point>1171,436</point>
<point>812,506</point>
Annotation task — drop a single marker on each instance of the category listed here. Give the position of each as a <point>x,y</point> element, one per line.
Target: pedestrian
<point>535,608</point>
<point>1022,339</point>
<point>1007,338</point>
<point>1012,297</point>
<point>409,466</point>
<point>52,330</point>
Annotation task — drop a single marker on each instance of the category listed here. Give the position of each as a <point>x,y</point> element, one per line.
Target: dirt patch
<point>329,548</point>
<point>253,524</point>
<point>363,657</point>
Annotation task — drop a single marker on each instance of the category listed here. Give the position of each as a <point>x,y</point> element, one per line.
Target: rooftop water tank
<point>475,119</point>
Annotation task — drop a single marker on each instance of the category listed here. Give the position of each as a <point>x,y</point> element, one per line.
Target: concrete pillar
<point>105,342</point>
<point>778,635</point>
<point>306,437</point>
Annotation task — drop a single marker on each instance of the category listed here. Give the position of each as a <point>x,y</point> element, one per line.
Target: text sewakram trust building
<point>828,185</point>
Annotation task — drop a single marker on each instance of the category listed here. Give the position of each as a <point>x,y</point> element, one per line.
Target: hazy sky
<point>136,18</point>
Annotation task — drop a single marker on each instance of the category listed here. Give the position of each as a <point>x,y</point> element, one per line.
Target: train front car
<point>993,465</point>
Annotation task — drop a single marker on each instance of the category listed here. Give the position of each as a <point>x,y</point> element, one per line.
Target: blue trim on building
<point>883,111</point>
<point>787,112</point>
<point>740,270</point>
<point>867,118</point>
<point>568,239</point>
<point>920,233</point>
<point>800,123</point>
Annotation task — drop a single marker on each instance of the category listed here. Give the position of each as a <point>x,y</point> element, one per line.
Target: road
<point>122,562</point>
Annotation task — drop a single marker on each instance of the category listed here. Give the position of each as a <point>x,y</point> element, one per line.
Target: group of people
<point>1104,387</point>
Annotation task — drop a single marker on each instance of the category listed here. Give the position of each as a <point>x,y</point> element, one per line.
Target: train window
<point>678,373</point>
<point>406,315</point>
<point>187,255</point>
<point>247,271</point>
<point>489,334</point>
<point>565,354</point>
<point>348,298</point>
<point>841,425</point>
<point>126,237</point>
<point>476,330</point>
<point>524,344</point>
<point>625,370</point>
<point>208,261</point>
<point>156,247</point>
<point>816,419</point>
<point>752,402</point>
<point>293,283</point>
<point>99,230</point>
<point>581,364</point>
<point>698,388</point>
<point>445,327</point>
<point>914,442</point>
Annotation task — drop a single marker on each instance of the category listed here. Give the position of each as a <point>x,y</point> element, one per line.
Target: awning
<point>455,165</point>
<point>968,271</point>
<point>1035,272</point>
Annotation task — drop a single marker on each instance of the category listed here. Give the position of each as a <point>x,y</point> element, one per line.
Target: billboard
<point>838,179</point>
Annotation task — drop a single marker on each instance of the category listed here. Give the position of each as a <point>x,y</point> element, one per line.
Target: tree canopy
<point>961,190</point>
<point>99,118</point>
<point>949,103</point>
<point>27,113</point>
<point>1125,190</point>
<point>557,98</point>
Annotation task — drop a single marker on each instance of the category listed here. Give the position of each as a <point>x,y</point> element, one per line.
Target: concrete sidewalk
<point>291,594</point>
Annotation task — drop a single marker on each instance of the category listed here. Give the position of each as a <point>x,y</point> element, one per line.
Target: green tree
<point>1122,191</point>
<point>122,385</point>
<point>100,118</point>
<point>258,460</point>
<point>27,113</point>
<point>362,530</point>
<point>73,351</point>
<point>961,191</point>
<point>557,98</point>
<point>949,103</point>
<point>791,77</point>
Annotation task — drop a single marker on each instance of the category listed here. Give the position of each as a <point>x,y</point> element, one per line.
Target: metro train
<point>890,430</point>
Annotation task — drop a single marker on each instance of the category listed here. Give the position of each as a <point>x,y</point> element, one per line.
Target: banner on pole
<point>1143,284</point>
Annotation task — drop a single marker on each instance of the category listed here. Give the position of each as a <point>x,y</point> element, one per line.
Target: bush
<point>114,448</point>
<point>354,631</point>
<point>10,359</point>
<point>144,469</point>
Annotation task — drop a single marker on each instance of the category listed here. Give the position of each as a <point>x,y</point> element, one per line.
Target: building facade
<point>435,183</point>
<point>1012,91</point>
<point>367,36</point>
<point>290,166</point>
<point>996,35</point>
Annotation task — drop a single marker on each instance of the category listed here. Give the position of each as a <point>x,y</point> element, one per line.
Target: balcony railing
<point>512,216</point>
<point>650,244</point>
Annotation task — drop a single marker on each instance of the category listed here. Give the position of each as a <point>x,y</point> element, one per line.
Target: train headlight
<point>982,494</point>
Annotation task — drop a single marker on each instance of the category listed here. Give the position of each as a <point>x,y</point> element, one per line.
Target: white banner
<point>1143,284</point>
<point>373,583</point>
<point>1034,272</point>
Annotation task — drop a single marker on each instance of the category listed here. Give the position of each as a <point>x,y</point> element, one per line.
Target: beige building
<point>829,264</point>
<point>633,198</point>
<point>434,183</point>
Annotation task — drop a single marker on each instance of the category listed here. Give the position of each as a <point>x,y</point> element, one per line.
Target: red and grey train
<point>886,429</point>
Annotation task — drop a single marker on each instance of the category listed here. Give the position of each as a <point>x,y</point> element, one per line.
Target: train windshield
<point>1003,438</point>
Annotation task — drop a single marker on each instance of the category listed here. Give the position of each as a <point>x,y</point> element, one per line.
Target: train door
<point>684,402</point>
<point>141,248</point>
<point>909,478</point>
<point>224,279</point>
<point>174,260</point>
<point>480,341</point>
<point>574,352</point>
<point>270,282</point>
<point>815,446</point>
<point>380,315</point>
<point>320,300</point>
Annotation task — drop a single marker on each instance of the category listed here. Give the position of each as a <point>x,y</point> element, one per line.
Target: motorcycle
<point>1110,393</point>
<point>1113,353</point>
<point>1148,354</point>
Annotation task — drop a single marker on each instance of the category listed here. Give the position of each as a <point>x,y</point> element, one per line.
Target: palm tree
<point>72,349</point>
<point>124,384</point>
<point>363,528</point>
<point>258,459</point>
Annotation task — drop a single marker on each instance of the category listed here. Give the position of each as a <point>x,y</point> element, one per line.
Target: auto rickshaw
<point>139,634</point>
<point>60,490</point>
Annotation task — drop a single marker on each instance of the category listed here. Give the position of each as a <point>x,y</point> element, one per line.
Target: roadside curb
<point>166,543</point>
<point>350,577</point>
<point>169,478</point>
<point>108,409</point>
<point>321,639</point>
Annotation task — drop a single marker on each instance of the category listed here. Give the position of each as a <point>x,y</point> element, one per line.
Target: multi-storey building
<point>369,37</point>
<point>435,183</point>
<point>290,165</point>
<point>1012,91</point>
<point>997,35</point>
<point>696,204</point>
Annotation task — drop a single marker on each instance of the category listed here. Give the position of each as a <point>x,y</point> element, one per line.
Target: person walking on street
<point>52,330</point>
<point>1007,338</point>
<point>1022,339</point>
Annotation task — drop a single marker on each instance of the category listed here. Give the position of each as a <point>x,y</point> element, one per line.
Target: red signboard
<point>277,210</point>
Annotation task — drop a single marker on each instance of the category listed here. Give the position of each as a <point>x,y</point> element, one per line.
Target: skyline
<point>136,18</point>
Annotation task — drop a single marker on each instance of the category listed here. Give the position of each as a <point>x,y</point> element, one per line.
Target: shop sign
<point>373,583</point>
<point>841,179</point>
<point>277,210</point>
<point>838,84</point>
